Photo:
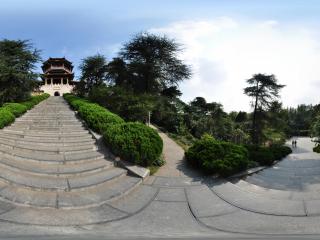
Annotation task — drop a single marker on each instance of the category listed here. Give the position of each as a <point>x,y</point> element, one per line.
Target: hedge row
<point>225,158</point>
<point>34,100</point>
<point>134,142</point>
<point>9,111</point>
<point>317,149</point>
<point>218,157</point>
<point>267,155</point>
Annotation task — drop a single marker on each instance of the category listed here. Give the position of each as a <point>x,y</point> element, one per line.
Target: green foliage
<point>17,61</point>
<point>6,117</point>
<point>263,89</point>
<point>267,155</point>
<point>218,157</point>
<point>97,117</point>
<point>134,142</point>
<point>148,64</point>
<point>317,149</point>
<point>130,106</point>
<point>93,73</point>
<point>16,108</point>
<point>34,100</point>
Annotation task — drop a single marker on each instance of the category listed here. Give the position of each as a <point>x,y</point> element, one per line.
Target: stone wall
<point>60,88</point>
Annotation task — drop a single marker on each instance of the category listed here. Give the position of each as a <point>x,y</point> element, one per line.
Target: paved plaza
<point>54,180</point>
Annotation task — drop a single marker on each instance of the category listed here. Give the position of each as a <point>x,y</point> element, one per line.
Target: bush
<point>34,100</point>
<point>16,108</point>
<point>134,142</point>
<point>267,155</point>
<point>218,157</point>
<point>317,149</point>
<point>6,117</point>
<point>74,101</point>
<point>98,118</point>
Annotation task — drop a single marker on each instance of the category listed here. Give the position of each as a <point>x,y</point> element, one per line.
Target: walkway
<point>71,191</point>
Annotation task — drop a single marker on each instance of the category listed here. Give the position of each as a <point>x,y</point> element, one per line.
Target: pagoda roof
<point>56,60</point>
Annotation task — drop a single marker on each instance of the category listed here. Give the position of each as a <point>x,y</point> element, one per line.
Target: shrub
<point>267,155</point>
<point>218,157</point>
<point>74,101</point>
<point>280,152</point>
<point>134,142</point>
<point>6,117</point>
<point>34,100</point>
<point>317,149</point>
<point>98,118</point>
<point>16,108</point>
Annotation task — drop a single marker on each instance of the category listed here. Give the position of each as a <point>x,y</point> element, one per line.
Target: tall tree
<point>17,64</point>
<point>264,89</point>
<point>93,73</point>
<point>153,63</point>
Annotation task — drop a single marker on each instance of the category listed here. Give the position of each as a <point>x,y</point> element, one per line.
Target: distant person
<point>295,143</point>
<point>292,143</point>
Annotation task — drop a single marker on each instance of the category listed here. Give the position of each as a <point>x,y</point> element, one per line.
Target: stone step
<point>55,168</point>
<point>43,134</point>
<point>91,197</point>
<point>47,123</point>
<point>58,157</point>
<point>278,194</point>
<point>51,140</point>
<point>59,183</point>
<point>11,144</point>
<point>111,211</point>
<point>299,172</point>
<point>257,203</point>
<point>287,176</point>
<point>34,128</point>
<point>280,184</point>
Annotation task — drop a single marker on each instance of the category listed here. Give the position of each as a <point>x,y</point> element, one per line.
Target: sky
<point>225,42</point>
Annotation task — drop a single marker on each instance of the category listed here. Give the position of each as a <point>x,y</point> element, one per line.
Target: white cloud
<point>225,52</point>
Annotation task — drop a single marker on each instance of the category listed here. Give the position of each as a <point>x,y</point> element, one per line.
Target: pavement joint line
<point>255,211</point>
<point>170,201</point>
<point>86,224</point>
<point>221,214</point>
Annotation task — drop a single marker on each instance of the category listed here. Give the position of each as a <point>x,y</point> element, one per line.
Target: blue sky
<point>220,36</point>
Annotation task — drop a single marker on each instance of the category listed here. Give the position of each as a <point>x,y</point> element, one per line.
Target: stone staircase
<point>50,166</point>
<point>289,188</point>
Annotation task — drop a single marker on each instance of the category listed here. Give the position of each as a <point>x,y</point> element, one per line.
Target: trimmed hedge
<point>9,111</point>
<point>16,108</point>
<point>97,117</point>
<point>134,142</point>
<point>6,117</point>
<point>267,155</point>
<point>34,100</point>
<point>219,157</point>
<point>317,149</point>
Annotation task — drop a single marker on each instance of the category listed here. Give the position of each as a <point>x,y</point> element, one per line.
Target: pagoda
<point>57,77</point>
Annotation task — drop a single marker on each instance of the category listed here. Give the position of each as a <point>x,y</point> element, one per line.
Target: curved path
<point>55,180</point>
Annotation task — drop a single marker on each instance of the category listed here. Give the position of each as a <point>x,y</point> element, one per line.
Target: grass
<point>182,141</point>
<point>153,169</point>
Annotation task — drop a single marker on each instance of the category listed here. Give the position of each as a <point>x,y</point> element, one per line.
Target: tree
<point>118,72</point>
<point>93,73</point>
<point>17,64</point>
<point>263,89</point>
<point>152,63</point>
